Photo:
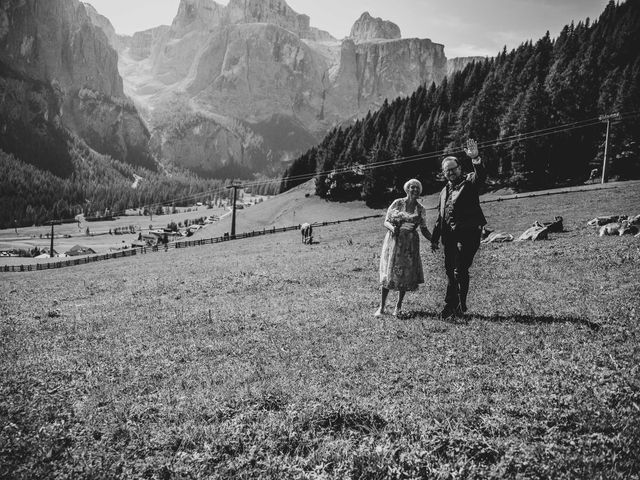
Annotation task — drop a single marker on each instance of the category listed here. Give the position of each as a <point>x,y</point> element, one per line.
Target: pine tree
<point>374,189</point>
<point>533,164</point>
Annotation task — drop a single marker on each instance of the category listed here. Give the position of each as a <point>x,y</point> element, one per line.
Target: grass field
<point>261,358</point>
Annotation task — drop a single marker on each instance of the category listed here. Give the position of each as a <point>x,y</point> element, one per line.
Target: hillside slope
<point>296,206</point>
<point>261,358</point>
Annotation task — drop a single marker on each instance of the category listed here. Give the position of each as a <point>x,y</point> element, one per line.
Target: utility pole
<point>606,118</point>
<point>233,214</point>
<point>52,223</point>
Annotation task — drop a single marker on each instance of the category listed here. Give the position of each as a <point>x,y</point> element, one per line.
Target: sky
<point>465,27</point>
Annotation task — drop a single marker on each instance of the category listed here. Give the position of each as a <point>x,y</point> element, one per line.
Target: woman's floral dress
<point>400,262</point>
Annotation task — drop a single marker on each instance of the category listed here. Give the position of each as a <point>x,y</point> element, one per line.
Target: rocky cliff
<point>260,64</point>
<point>55,43</point>
<point>458,63</point>
<point>140,44</point>
<point>105,25</point>
<point>369,28</point>
<point>274,12</point>
<point>370,72</point>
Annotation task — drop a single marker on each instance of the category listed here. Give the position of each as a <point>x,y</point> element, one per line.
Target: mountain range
<point>230,90</point>
<point>225,91</point>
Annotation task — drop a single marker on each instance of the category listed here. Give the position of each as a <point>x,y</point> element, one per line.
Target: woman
<point>400,263</point>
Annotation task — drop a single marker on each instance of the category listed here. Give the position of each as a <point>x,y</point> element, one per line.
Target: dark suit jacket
<point>466,206</point>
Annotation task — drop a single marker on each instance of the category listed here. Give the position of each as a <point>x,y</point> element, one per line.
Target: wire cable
<point>360,168</point>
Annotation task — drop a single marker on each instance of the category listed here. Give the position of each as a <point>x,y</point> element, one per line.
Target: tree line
<point>589,70</point>
<point>98,185</point>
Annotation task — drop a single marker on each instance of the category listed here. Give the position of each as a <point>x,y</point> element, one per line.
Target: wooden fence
<point>165,248</point>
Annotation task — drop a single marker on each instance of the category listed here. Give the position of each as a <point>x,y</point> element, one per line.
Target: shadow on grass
<point>537,319</point>
<point>516,318</point>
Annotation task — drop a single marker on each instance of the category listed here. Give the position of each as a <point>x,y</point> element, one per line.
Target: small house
<point>79,250</point>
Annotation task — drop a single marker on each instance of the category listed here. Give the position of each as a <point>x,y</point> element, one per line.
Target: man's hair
<point>450,159</point>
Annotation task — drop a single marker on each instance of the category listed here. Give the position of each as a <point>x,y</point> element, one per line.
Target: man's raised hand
<point>471,148</point>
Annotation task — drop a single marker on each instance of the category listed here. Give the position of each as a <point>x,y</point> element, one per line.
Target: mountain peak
<point>370,28</point>
<point>198,14</point>
<point>276,12</point>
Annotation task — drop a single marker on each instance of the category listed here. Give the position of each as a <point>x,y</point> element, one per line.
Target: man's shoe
<point>462,303</point>
<point>447,312</point>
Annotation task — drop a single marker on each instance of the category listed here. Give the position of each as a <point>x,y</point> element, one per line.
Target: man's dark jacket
<point>467,214</point>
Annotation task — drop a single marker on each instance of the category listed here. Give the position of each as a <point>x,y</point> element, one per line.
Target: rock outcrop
<point>104,24</point>
<point>141,44</point>
<point>458,63</point>
<point>195,15</point>
<point>55,40</point>
<point>56,43</point>
<point>369,28</point>
<point>370,72</point>
<point>274,12</point>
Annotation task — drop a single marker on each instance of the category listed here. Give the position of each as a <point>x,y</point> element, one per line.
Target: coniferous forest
<point>98,184</point>
<point>536,111</point>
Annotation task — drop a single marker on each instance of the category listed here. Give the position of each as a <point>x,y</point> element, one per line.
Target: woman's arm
<point>392,220</point>
<point>391,227</point>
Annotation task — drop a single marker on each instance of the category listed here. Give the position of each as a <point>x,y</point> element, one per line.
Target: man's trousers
<point>460,247</point>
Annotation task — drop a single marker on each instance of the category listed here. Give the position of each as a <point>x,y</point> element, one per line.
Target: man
<point>459,224</point>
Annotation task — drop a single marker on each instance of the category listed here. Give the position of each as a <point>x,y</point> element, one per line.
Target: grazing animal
<point>599,221</point>
<point>627,228</point>
<point>536,232</point>
<point>489,236</point>
<point>612,228</point>
<point>307,233</point>
<point>498,237</point>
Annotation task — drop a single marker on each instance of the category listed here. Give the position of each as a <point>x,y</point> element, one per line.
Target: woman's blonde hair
<point>413,181</point>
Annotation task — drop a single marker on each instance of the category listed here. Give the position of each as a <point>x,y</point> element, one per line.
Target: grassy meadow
<point>261,358</point>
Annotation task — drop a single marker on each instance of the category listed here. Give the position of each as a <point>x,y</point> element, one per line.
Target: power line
<point>438,153</point>
<point>486,144</point>
<point>519,137</point>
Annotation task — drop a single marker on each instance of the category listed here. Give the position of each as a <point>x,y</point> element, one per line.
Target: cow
<point>536,232</point>
<point>612,228</point>
<point>498,237</point>
<point>628,228</point>
<point>600,221</point>
<point>307,233</point>
<point>489,236</point>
